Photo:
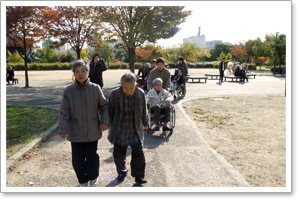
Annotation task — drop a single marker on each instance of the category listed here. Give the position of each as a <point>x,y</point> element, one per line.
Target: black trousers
<point>158,110</point>
<point>85,160</point>
<point>221,75</point>
<point>9,79</point>
<point>137,163</point>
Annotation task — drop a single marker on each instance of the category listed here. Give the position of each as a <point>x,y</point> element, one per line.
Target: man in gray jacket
<point>160,72</point>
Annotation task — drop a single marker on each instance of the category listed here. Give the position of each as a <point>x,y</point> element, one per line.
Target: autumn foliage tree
<point>136,25</point>
<point>76,25</point>
<point>25,27</point>
<point>143,54</point>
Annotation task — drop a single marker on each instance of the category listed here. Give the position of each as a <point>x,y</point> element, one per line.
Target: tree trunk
<point>131,52</point>
<point>78,53</point>
<point>26,67</point>
<point>26,73</point>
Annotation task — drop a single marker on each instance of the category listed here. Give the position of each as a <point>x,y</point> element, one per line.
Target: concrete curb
<point>10,161</point>
<point>227,166</point>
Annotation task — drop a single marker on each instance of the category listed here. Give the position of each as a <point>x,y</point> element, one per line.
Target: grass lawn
<point>23,124</point>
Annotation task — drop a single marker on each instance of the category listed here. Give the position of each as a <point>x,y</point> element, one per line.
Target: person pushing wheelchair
<point>159,100</point>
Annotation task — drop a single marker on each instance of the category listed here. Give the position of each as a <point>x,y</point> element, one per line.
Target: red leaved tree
<point>143,54</point>
<point>25,27</point>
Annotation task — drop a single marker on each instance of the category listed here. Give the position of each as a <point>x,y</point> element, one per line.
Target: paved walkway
<point>182,159</point>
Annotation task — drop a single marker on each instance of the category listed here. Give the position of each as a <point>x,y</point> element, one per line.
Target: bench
<point>251,75</point>
<point>14,81</point>
<point>233,78</point>
<point>213,75</point>
<point>199,78</point>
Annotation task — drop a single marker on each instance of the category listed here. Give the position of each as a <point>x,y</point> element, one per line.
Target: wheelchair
<point>177,90</point>
<point>171,122</point>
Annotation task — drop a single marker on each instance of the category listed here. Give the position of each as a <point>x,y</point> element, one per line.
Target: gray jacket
<point>164,74</point>
<point>116,106</point>
<point>81,111</point>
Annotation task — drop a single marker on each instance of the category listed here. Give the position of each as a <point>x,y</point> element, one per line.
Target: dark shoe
<point>165,128</point>
<point>140,180</point>
<point>121,177</point>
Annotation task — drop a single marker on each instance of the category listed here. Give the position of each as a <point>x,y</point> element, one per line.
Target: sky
<point>234,21</point>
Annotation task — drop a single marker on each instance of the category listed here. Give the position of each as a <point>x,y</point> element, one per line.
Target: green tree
<point>122,53</point>
<point>107,52</point>
<point>65,56</point>
<point>188,51</point>
<point>216,51</point>
<point>203,53</point>
<point>258,50</point>
<point>15,57</point>
<point>171,54</point>
<point>136,25</point>
<point>281,49</point>
<point>48,55</point>
<point>229,56</point>
<point>221,56</point>
<point>83,54</point>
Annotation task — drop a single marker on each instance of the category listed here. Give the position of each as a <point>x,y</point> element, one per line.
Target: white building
<point>212,44</point>
<point>199,40</point>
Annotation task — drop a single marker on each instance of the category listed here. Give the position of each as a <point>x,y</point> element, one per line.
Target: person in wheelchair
<point>159,100</point>
<point>177,80</point>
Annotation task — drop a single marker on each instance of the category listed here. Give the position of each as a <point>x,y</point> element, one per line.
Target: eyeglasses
<point>158,85</point>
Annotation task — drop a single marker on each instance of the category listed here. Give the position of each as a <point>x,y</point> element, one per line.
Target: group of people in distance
<point>85,114</point>
<point>237,71</point>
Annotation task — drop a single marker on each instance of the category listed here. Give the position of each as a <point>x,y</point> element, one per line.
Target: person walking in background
<point>83,106</point>
<point>143,72</point>
<point>128,116</point>
<point>160,72</point>
<point>222,69</point>
<point>153,66</point>
<point>182,65</point>
<point>10,74</point>
<point>97,67</point>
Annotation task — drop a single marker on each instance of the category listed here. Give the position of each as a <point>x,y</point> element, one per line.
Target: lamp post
<point>275,54</point>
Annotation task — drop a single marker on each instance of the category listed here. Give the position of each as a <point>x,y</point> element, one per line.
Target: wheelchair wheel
<point>173,118</point>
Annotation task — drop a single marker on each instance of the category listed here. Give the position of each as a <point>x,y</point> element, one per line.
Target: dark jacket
<point>237,71</point>
<point>81,111</point>
<point>144,71</point>
<point>10,73</point>
<point>184,68</point>
<point>96,73</point>
<point>220,66</point>
<point>242,73</point>
<point>116,107</point>
<point>179,79</point>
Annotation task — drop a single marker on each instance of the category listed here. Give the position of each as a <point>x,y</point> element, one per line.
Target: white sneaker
<point>83,185</point>
<point>93,183</point>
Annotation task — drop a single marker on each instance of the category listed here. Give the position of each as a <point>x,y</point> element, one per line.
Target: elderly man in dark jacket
<point>128,114</point>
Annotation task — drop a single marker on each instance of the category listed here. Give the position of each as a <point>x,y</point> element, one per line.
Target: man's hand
<point>167,102</point>
<point>146,128</point>
<point>103,127</point>
<point>63,135</point>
